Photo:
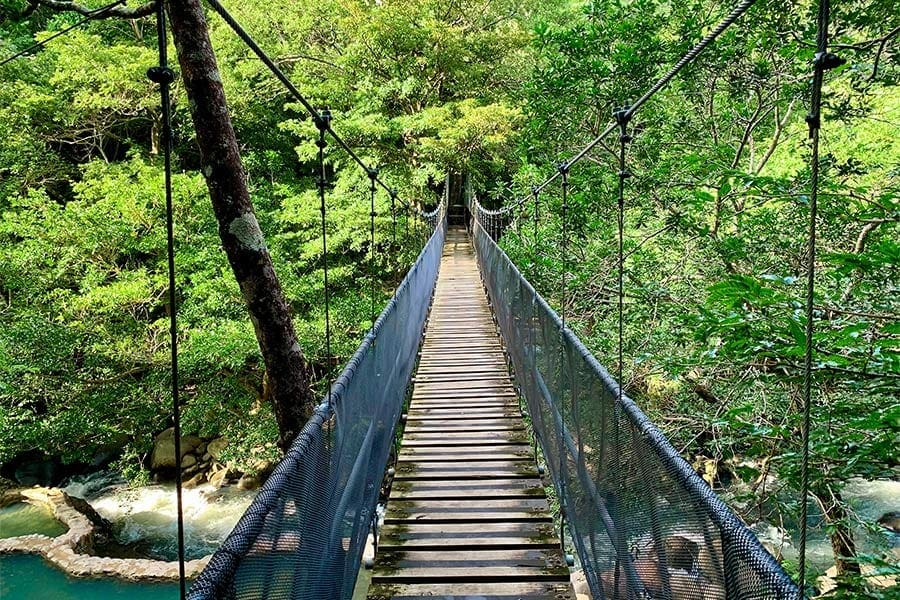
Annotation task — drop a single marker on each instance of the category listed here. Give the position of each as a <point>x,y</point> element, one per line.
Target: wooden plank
<point>466,453</point>
<point>497,424</point>
<point>468,510</point>
<point>524,590</point>
<point>450,469</point>
<point>467,488</point>
<point>461,536</point>
<point>465,438</point>
<point>539,564</point>
<point>465,402</point>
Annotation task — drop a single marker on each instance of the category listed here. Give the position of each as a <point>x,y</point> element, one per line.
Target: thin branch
<point>122,12</point>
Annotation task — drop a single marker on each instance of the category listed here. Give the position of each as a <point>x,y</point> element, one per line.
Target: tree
<point>242,238</point>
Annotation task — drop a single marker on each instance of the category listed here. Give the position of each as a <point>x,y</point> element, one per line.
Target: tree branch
<point>122,12</point>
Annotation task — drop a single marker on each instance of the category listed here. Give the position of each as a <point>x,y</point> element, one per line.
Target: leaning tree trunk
<point>241,236</point>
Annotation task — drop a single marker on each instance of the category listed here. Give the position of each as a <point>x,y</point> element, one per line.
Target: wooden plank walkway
<point>467,517</point>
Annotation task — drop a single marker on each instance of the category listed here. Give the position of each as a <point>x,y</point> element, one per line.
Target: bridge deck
<point>467,515</point>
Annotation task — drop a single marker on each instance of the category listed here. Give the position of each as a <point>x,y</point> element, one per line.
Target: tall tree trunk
<point>242,238</point>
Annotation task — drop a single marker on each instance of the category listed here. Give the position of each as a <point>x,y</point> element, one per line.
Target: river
<point>144,515</point>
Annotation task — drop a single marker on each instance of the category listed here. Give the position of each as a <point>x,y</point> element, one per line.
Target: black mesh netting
<point>302,537</point>
<point>645,525</point>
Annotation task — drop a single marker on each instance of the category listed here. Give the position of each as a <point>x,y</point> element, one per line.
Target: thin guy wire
<point>814,120</point>
<point>322,123</point>
<point>164,76</point>
<point>95,14</point>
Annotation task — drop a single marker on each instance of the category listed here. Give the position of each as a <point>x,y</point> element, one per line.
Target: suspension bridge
<point>482,422</point>
<point>492,434</point>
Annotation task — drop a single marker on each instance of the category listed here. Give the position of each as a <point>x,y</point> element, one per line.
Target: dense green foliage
<point>417,89</point>
<point>716,217</point>
<point>716,233</point>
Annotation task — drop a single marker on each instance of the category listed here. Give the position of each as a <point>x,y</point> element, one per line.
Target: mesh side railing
<point>644,524</point>
<point>303,536</point>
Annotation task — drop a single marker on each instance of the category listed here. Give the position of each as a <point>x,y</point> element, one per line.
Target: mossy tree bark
<point>242,239</point>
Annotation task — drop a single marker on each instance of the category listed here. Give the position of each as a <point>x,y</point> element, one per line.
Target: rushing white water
<point>869,500</point>
<point>148,514</point>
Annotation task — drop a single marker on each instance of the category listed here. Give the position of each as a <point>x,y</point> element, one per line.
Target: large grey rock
<point>216,446</point>
<point>163,455</point>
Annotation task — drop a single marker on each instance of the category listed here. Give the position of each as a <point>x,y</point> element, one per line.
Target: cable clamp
<point>373,173</point>
<point>160,75</point>
<point>621,116</point>
<point>563,168</point>
<point>534,191</point>
<point>323,120</point>
<point>827,61</point>
<point>814,121</point>
<point>624,174</point>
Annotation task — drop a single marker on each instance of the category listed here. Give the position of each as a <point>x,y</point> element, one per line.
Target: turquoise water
<point>22,518</point>
<point>36,580</point>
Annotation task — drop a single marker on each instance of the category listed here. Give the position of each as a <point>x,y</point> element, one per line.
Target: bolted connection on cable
<point>323,120</point>
<point>160,75</point>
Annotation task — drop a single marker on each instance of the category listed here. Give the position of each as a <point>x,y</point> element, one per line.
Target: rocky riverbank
<point>73,551</point>
<point>201,461</point>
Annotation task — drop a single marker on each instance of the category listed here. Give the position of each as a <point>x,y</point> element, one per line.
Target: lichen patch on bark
<point>246,229</point>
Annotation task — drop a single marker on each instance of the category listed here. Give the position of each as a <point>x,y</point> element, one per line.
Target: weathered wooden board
<point>468,488</point>
<point>523,590</point>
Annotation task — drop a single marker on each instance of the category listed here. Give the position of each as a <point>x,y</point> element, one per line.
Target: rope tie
<point>323,124</point>
<point>373,176</point>
<point>163,76</point>
<point>823,61</point>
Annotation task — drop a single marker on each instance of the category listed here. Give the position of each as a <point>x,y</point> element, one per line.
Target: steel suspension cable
<point>823,61</point>
<point>322,124</point>
<point>164,76</point>
<point>95,14</point>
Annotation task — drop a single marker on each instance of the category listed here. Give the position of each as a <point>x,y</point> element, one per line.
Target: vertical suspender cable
<point>373,176</point>
<point>393,217</point>
<point>823,61</point>
<point>622,118</point>
<point>164,76</point>
<point>564,172</point>
<point>323,122</point>
<point>534,193</point>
